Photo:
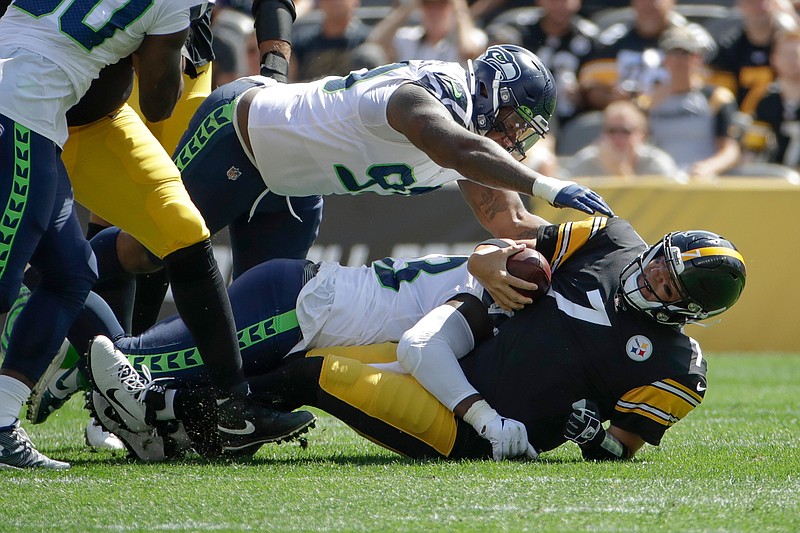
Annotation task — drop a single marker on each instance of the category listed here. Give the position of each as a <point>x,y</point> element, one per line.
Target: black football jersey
<point>626,59</point>
<point>746,66</point>
<point>784,122</point>
<point>563,55</point>
<point>580,342</point>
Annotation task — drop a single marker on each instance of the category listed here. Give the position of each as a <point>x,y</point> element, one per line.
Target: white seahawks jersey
<point>51,51</point>
<point>332,136</point>
<point>349,306</point>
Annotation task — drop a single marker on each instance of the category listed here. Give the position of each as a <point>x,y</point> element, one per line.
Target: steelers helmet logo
<point>639,348</point>
<point>502,61</point>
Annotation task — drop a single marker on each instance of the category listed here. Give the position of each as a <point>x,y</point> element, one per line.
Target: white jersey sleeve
<point>52,50</point>
<point>332,136</point>
<point>355,306</point>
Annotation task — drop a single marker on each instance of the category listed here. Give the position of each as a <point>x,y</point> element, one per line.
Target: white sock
<point>13,393</point>
<point>168,412</point>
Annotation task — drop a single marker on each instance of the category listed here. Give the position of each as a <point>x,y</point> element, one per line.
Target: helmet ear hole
<point>483,91</point>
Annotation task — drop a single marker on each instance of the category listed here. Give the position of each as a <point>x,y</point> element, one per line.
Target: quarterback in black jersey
<point>605,344</point>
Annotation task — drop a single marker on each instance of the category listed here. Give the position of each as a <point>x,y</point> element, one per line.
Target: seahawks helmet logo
<point>502,61</point>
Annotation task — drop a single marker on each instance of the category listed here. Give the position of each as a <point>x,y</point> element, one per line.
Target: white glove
<point>508,437</point>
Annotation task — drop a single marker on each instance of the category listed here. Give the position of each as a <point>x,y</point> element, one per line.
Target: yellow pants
<point>122,173</point>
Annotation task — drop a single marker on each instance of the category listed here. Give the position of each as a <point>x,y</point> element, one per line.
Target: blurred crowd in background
<point>682,90</point>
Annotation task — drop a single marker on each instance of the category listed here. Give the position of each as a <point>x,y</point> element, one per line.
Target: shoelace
<point>136,384</point>
<point>152,385</point>
<point>131,380</point>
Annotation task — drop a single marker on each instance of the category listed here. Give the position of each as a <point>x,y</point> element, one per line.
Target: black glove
<point>584,425</point>
<point>585,428</point>
<point>275,66</point>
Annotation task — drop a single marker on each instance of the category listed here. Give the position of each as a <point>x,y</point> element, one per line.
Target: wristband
<point>609,448</point>
<point>275,66</point>
<point>479,414</point>
<point>547,188</point>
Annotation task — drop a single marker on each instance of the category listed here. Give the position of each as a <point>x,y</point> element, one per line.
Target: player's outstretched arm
<point>418,115</point>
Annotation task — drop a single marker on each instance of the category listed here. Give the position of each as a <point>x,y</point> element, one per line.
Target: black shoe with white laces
<point>244,425</point>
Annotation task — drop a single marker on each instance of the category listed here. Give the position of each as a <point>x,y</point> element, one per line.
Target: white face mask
<point>633,292</point>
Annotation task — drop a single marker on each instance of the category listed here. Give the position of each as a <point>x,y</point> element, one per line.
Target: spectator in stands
<point>446,32</point>
<point>742,61</point>
<point>484,11</point>
<point>627,61</point>
<point>563,40</point>
<point>326,48</point>
<point>235,46</point>
<point>690,120</point>
<point>777,113</point>
<point>621,149</point>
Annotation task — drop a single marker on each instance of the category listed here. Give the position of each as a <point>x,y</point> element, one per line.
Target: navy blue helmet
<point>512,93</point>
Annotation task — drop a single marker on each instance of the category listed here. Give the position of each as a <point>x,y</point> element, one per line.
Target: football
<point>530,265</point>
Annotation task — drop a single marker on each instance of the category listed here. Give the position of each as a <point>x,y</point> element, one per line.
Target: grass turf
<point>732,465</point>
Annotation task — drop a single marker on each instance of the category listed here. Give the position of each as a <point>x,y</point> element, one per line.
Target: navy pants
<point>263,301</point>
<point>225,185</point>
<point>39,227</point>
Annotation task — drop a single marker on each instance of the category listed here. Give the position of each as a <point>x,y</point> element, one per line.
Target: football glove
<point>584,425</point>
<point>585,428</point>
<point>508,437</point>
<point>560,193</point>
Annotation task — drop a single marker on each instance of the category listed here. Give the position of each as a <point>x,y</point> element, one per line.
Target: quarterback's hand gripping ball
<point>530,265</point>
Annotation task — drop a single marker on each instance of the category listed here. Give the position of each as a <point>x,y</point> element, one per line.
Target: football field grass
<point>732,465</point>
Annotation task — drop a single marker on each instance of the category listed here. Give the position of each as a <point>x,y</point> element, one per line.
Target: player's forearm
<point>273,24</point>
<point>500,212</point>
<point>482,160</point>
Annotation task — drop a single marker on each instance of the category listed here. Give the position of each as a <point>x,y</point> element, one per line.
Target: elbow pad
<point>273,20</point>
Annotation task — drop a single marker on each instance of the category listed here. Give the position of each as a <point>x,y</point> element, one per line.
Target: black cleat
<point>245,425</point>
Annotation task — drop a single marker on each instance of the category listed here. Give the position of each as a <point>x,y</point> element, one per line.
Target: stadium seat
<point>578,133</point>
<point>764,170</point>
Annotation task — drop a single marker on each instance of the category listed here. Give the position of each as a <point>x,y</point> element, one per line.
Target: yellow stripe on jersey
<point>711,250</point>
<point>665,402</point>
<point>572,236</point>
<point>396,399</point>
<point>372,353</point>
